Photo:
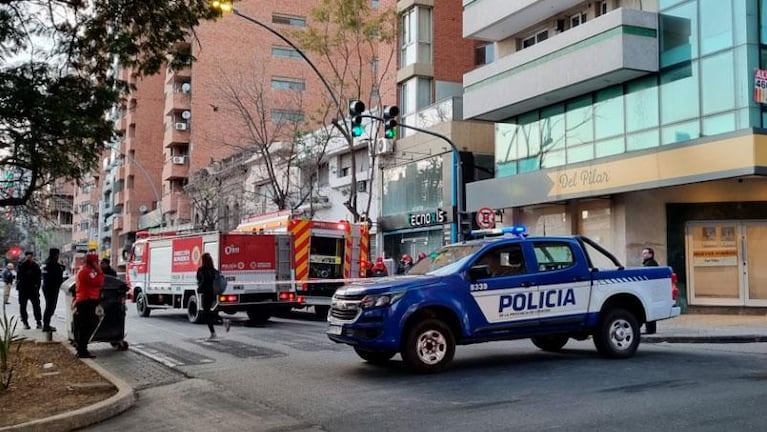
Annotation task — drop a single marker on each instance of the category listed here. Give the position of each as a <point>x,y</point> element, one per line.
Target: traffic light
<point>356,108</point>
<point>390,112</point>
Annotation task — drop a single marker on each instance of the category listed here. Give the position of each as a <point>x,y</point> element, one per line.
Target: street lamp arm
<point>145,173</point>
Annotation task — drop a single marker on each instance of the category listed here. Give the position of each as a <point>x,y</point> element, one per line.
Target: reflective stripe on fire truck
<point>362,262</point>
<point>302,233</point>
<point>348,251</point>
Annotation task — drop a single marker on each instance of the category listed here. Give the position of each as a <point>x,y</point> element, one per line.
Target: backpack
<point>219,283</point>
<point>7,276</point>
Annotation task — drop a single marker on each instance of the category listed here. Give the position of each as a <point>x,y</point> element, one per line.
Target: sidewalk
<point>706,328</point>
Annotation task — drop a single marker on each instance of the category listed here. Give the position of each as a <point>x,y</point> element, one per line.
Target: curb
<point>85,416</point>
<point>705,339</point>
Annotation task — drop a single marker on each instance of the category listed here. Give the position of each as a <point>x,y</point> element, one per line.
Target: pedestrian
<point>379,269</point>
<point>53,276</point>
<point>421,256</point>
<point>648,260</point>
<point>90,280</point>
<point>28,285</point>
<point>648,257</point>
<point>405,262</point>
<point>9,277</point>
<point>205,276</point>
<point>106,267</point>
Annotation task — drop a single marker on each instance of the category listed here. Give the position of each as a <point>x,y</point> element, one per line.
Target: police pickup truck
<point>548,289</point>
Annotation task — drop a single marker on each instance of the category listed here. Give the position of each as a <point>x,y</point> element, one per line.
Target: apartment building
<point>420,197</point>
<point>634,123</point>
<point>180,121</point>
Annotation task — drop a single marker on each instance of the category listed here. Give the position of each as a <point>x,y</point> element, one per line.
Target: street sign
<point>486,218</point>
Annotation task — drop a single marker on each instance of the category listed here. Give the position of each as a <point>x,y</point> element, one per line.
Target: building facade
<point>634,123</point>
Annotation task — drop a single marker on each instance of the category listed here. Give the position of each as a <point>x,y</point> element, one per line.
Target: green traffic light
<point>390,133</point>
<point>357,131</point>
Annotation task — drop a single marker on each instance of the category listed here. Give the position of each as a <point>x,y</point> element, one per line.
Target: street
<point>287,375</point>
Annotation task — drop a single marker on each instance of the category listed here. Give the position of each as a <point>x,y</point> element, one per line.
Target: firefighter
<point>405,263</point>
<point>421,256</point>
<point>379,269</point>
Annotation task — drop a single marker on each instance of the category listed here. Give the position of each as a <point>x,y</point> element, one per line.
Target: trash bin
<point>112,327</point>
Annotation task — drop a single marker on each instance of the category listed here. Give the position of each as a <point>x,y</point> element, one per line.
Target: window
<point>279,115</point>
<point>285,52</point>
<point>415,95</point>
<point>415,186</point>
<point>536,38</point>
<point>289,20</point>
<point>484,54</point>
<point>577,19</point>
<point>322,174</point>
<point>345,165</point>
<point>288,84</point>
<point>552,256</point>
<point>415,36</point>
<point>375,4</point>
<point>502,262</point>
<point>601,8</point>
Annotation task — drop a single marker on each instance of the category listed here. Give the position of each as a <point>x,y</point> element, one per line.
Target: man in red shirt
<point>90,279</point>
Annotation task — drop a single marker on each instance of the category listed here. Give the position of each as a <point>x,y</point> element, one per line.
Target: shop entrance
<point>727,263</point>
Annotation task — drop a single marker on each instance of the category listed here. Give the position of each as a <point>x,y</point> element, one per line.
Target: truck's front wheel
<point>374,357</point>
<point>429,346</point>
<point>617,335</point>
<point>142,307</point>
<point>551,343</point>
<point>193,310</point>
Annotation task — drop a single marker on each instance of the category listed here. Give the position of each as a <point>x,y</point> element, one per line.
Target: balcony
<point>119,198</point>
<point>182,74</point>
<point>495,20</point>
<point>177,101</point>
<point>150,219</point>
<point>443,111</point>
<point>175,133</point>
<point>177,167</point>
<point>613,48</point>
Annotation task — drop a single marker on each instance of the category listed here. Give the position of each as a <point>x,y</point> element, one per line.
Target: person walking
<point>90,279</point>
<point>28,284</point>
<point>648,260</point>
<point>9,276</point>
<point>206,273</point>
<point>106,267</point>
<point>53,276</point>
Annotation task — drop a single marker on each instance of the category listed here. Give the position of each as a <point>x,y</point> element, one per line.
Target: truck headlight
<point>379,300</point>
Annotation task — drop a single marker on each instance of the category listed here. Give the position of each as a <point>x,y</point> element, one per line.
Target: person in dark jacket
<point>205,276</point>
<point>28,284</point>
<point>53,276</point>
<point>648,260</point>
<point>106,267</point>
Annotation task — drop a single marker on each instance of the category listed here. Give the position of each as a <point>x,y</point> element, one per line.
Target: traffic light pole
<point>457,177</point>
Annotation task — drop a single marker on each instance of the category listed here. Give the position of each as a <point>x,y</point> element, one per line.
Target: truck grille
<point>345,307</point>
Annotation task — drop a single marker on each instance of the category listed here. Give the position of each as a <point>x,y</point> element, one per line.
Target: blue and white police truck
<point>512,286</point>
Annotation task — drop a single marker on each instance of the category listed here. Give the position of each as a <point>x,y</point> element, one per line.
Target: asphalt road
<point>287,376</point>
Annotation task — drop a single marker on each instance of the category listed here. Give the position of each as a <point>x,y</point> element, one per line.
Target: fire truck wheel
<point>141,305</point>
<point>259,315</point>
<point>321,312</point>
<point>193,313</point>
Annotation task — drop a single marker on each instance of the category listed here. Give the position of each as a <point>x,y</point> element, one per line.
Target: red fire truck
<point>162,269</point>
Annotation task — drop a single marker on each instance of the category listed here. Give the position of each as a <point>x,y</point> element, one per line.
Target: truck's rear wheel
<point>551,343</point>
<point>374,357</point>
<point>429,346</point>
<point>193,311</point>
<point>617,335</point>
<point>259,315</point>
<point>142,307</point>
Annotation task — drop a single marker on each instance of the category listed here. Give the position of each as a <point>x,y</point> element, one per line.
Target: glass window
<point>746,61</point>
<point>679,94</point>
<point>289,20</point>
<point>552,159</point>
<point>608,113</point>
<point>553,256</point>
<point>531,163</point>
<point>580,153</point>
<point>415,186</point>
<point>663,4</point>
<point>746,28</point>
<point>579,121</point>
<point>484,54</point>
<point>642,140</point>
<point>279,115</point>
<point>285,52</point>
<point>641,104</point>
<point>506,144</point>
<point>552,128</point>
<point>415,36</point>
<point>680,132</point>
<point>718,83</point>
<point>609,147</point>
<point>715,25</point>
<point>288,84</point>
<point>719,124</point>
<point>415,95</point>
<point>763,22</point>
<point>529,135</point>
<point>678,35</point>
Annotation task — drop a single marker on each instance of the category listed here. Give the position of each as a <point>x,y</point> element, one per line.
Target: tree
<point>355,43</point>
<point>209,191</point>
<point>56,82</point>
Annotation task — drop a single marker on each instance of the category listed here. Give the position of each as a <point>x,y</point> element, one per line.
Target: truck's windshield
<point>444,260</point>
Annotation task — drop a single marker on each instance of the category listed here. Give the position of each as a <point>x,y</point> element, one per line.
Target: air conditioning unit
<point>179,160</point>
<point>181,126</point>
<point>384,146</point>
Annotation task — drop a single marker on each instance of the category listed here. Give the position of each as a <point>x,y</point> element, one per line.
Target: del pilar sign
<point>437,217</point>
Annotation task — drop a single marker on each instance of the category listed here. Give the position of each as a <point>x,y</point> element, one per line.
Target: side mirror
<point>479,272</point>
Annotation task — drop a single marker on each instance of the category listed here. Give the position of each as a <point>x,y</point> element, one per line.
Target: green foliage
<point>57,78</point>
<point>8,340</point>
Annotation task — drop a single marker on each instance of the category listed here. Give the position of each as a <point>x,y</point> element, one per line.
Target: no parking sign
<point>486,218</point>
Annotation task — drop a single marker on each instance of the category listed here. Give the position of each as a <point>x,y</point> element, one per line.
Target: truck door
<point>504,289</point>
<point>563,280</point>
